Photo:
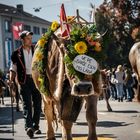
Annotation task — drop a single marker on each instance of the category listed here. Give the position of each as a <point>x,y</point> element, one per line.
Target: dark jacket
<point>17,58</point>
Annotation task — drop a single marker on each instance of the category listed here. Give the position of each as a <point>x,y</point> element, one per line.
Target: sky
<point>50,9</point>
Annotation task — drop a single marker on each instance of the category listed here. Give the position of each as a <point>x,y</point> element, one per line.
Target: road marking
<point>102,113</point>
<point>85,138</point>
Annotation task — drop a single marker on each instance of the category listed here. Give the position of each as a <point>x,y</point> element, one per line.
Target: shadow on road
<point>6,115</point>
<point>125,111</point>
<point>107,136</point>
<point>6,139</point>
<point>79,135</point>
<point>112,124</point>
<point>82,123</point>
<point>106,124</point>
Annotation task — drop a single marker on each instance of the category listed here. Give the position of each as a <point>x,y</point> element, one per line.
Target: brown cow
<point>61,86</point>
<point>134,58</point>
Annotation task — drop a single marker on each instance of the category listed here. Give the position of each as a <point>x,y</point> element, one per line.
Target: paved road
<point>121,124</point>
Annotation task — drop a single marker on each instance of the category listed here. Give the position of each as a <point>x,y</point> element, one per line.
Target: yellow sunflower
<point>41,42</point>
<point>54,26</point>
<point>80,47</point>
<point>39,56</point>
<point>40,80</point>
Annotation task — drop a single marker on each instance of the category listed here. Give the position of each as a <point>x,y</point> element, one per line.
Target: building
<point>12,21</point>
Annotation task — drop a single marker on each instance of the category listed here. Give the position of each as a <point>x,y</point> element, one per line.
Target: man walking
<point>21,68</point>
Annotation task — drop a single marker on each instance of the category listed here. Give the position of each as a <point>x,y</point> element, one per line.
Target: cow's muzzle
<point>82,89</point>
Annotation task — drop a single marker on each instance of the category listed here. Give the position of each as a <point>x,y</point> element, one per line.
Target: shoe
<point>30,132</point>
<point>37,131</point>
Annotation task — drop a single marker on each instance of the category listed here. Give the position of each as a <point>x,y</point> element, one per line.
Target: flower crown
<point>84,41</point>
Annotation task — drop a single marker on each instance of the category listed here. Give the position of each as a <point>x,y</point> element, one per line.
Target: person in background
<point>21,60</point>
<point>119,82</point>
<point>113,84</point>
<point>129,82</point>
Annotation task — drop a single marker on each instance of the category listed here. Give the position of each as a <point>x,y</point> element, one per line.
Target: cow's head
<point>81,55</point>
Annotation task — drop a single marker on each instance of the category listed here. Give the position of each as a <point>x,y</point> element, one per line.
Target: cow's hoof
<point>53,138</point>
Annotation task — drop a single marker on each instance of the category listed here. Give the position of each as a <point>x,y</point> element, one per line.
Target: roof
<point>6,10</point>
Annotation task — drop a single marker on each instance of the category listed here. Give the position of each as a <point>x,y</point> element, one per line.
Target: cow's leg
<point>106,97</point>
<point>49,116</point>
<point>91,116</point>
<point>2,97</point>
<point>66,130</point>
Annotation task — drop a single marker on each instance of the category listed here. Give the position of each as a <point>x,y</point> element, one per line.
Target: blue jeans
<point>129,92</point>
<point>119,87</point>
<point>31,104</point>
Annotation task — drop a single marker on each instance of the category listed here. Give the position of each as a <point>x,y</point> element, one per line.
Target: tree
<point>122,19</point>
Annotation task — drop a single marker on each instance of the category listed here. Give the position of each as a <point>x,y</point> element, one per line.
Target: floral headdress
<point>84,41</point>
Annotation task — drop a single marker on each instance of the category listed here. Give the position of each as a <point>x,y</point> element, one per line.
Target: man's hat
<point>25,33</point>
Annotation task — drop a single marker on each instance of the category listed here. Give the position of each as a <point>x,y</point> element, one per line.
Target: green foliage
<point>85,36</point>
<point>119,18</point>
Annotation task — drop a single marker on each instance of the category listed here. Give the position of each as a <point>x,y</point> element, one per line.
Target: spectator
<point>21,66</point>
<point>119,82</point>
<point>129,81</point>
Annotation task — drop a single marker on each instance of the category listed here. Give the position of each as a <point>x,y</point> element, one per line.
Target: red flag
<point>17,29</point>
<point>65,30</point>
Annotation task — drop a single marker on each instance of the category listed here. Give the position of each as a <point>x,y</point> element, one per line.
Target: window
<point>8,51</point>
<point>27,27</point>
<point>44,30</point>
<point>36,30</point>
<point>7,26</point>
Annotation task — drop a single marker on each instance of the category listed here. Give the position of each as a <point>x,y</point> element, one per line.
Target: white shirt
<point>28,62</point>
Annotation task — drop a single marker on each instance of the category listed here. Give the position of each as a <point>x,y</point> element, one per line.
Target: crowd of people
<point>122,83</point>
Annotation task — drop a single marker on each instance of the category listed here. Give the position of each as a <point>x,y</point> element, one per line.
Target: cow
<point>134,58</point>
<point>65,92</point>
